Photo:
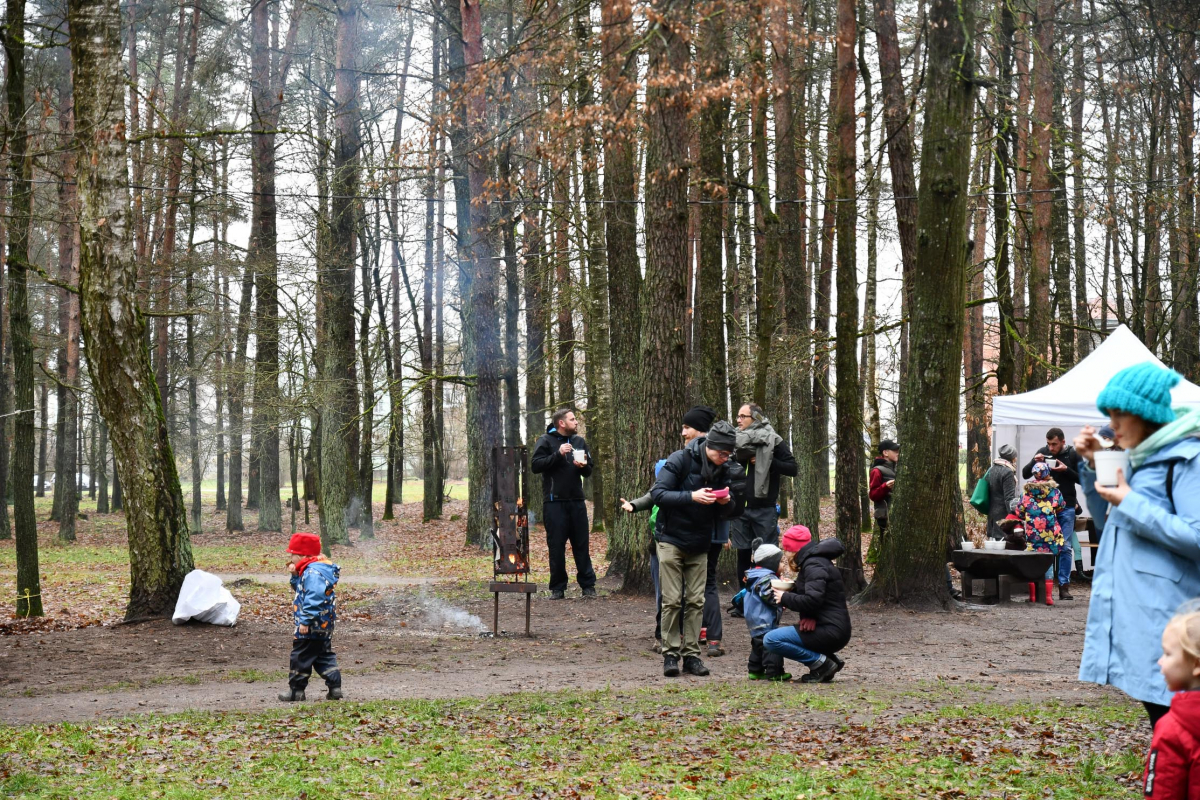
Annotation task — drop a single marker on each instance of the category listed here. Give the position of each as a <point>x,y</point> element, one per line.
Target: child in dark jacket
<point>1173,766</point>
<point>762,613</point>
<point>314,612</point>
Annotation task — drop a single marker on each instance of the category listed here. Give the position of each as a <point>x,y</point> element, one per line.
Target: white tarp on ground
<point>1070,402</point>
<point>204,598</point>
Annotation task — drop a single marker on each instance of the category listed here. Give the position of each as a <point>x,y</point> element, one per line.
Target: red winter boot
<point>1050,593</point>
<point>1032,593</point>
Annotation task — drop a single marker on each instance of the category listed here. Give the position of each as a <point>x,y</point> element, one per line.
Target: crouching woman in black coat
<point>820,599</point>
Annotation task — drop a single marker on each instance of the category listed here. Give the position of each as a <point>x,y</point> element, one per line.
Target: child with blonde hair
<point>1173,765</point>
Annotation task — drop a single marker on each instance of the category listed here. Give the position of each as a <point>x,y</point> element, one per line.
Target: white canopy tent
<point>1070,402</point>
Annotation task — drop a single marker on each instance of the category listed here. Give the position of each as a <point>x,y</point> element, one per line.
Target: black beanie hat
<point>699,417</point>
<point>721,436</point>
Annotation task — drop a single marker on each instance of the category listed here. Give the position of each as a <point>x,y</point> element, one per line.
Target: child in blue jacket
<point>314,611</point>
<point>762,613</point>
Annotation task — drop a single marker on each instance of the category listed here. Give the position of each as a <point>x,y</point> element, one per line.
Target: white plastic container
<point>1107,464</point>
<point>967,544</point>
<point>580,455</point>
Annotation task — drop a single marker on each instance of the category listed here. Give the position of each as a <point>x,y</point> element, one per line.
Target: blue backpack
<point>758,605</point>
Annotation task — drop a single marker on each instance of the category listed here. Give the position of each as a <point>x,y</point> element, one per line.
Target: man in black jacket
<point>1064,469</point>
<point>760,520</point>
<point>562,458</point>
<point>693,495</point>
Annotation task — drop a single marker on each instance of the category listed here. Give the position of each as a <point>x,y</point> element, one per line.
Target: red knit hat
<point>305,544</point>
<point>795,538</point>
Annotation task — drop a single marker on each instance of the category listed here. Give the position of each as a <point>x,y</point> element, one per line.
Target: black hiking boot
<point>334,693</point>
<point>589,591</point>
<point>692,665</point>
<point>1064,592</point>
<point>823,673</point>
<point>671,666</point>
<point>558,594</point>
<point>292,696</point>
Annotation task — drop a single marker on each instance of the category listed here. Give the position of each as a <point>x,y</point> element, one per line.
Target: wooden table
<point>999,570</point>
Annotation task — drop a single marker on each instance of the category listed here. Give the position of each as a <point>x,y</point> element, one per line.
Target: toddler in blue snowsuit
<point>762,613</point>
<point>314,611</point>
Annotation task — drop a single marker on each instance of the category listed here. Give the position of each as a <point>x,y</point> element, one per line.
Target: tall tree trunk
<point>618,58</point>
<point>923,515</point>
<point>69,303</point>
<point>6,532</point>
<point>974,372</point>
<point>897,122</point>
<point>1063,331</point>
<point>431,497</point>
<point>1187,330</point>
<point>766,222</point>
<point>237,393</point>
<point>664,293</point>
<point>713,67</point>
<point>1079,210</point>
<point>824,286</point>
<point>478,284</point>
<point>102,464</point>
<point>29,592</point>
<point>268,80</point>
<point>366,460</point>
<point>849,426</point>
<point>113,328</point>
<point>340,405</point>
<point>193,381</point>
<point>1006,365</point>
<point>1041,185</point>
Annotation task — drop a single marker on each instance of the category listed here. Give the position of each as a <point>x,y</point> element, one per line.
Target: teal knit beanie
<point>1143,390</point>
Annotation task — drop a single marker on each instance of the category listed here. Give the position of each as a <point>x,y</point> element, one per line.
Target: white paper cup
<point>1107,464</point>
<point>967,544</point>
<point>580,455</point>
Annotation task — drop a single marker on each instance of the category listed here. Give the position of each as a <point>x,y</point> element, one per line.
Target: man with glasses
<point>693,495</point>
<point>765,456</point>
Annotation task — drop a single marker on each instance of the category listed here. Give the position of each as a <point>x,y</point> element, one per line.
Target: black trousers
<point>712,599</point>
<point>762,662</point>
<point>310,654</point>
<point>745,561</point>
<point>567,521</point>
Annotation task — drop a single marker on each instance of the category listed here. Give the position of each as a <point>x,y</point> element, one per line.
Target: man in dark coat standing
<point>765,456</point>
<point>693,496</point>
<point>562,458</point>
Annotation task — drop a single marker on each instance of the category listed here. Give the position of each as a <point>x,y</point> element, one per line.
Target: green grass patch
<point>734,740</point>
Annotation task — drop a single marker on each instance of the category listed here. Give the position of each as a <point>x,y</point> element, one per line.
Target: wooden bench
<point>998,570</point>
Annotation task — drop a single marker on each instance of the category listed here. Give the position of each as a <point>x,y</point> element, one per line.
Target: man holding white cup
<point>562,458</point>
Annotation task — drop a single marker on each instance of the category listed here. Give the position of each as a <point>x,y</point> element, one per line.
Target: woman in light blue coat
<point>1148,562</point>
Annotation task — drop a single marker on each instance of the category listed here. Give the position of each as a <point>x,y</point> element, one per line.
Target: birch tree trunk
<point>113,328</point>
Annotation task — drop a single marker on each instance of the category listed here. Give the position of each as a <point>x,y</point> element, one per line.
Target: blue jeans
<point>1065,564</point>
<point>1066,520</point>
<point>786,642</point>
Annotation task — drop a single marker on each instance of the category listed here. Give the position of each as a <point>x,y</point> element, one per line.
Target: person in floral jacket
<point>1038,508</point>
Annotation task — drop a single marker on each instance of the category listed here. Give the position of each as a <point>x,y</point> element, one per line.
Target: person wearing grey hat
<point>694,494</point>
<point>1003,496</point>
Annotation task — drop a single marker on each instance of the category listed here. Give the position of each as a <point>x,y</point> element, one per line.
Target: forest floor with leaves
<point>978,703</point>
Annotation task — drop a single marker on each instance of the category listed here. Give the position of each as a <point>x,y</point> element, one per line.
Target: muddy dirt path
<point>415,646</point>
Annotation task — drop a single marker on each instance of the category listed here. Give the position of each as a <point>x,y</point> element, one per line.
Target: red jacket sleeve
<point>1167,765</point>
<point>878,489</point>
